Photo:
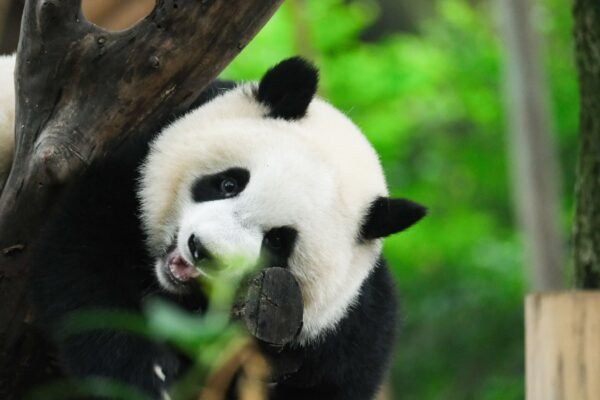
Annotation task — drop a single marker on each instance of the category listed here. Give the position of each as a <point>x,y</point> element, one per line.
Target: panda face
<point>268,176</point>
<point>251,212</point>
<point>188,256</point>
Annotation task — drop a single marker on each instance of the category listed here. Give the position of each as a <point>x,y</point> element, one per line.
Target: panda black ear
<point>388,216</point>
<point>288,88</point>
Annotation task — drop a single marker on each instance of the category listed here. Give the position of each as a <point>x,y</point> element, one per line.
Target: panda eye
<point>229,186</point>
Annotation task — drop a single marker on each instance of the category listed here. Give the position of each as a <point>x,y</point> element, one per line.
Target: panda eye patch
<point>222,185</point>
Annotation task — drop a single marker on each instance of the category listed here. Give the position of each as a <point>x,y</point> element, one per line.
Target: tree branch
<point>81,91</point>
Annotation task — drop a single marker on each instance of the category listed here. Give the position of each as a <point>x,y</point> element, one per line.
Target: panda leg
<point>122,357</point>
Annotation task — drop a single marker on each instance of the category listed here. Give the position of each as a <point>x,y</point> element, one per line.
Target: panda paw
<point>160,374</point>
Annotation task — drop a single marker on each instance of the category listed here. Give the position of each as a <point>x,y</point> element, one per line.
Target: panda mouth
<point>178,269</point>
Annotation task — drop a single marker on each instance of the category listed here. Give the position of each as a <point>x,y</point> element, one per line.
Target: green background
<point>431,101</point>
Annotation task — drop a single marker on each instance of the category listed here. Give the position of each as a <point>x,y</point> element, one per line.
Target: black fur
<point>388,216</point>
<point>91,255</point>
<point>209,188</point>
<point>288,88</point>
<point>350,362</point>
<point>278,244</point>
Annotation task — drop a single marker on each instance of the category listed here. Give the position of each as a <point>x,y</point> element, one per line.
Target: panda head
<point>266,174</point>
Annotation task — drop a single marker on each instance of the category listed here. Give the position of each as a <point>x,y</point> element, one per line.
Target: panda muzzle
<point>197,250</point>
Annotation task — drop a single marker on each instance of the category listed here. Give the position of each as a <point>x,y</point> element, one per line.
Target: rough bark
<point>586,230</point>
<point>81,91</point>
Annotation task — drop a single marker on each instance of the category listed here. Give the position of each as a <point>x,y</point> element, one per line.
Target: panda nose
<point>197,250</point>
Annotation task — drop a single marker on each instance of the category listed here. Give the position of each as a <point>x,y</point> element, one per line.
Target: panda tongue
<point>181,269</point>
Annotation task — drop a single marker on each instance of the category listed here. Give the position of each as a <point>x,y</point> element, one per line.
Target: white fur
<point>213,221</point>
<point>7,115</point>
<point>318,174</point>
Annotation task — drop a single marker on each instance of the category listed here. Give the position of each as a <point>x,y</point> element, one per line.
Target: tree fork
<point>81,91</point>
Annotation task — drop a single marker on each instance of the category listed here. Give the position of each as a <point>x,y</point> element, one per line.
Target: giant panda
<point>251,169</point>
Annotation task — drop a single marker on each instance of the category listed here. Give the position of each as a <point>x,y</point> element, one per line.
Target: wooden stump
<point>563,346</point>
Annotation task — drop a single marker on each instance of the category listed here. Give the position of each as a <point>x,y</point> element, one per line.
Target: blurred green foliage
<point>208,340</point>
<point>432,104</point>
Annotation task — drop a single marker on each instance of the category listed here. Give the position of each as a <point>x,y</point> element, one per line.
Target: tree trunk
<point>81,91</point>
<point>532,156</point>
<point>586,230</point>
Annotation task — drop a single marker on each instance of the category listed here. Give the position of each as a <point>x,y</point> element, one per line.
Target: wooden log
<point>563,346</point>
<point>272,306</point>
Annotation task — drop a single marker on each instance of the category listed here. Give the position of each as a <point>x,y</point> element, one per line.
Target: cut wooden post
<point>563,346</point>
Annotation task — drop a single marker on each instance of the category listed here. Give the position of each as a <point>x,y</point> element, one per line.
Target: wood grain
<point>273,306</point>
<point>563,346</point>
